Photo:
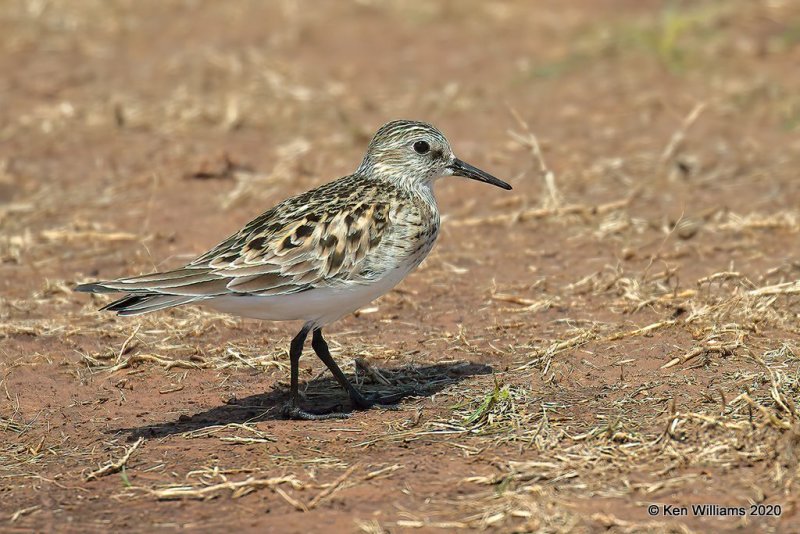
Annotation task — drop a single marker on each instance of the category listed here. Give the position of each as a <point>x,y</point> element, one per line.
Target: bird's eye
<point>422,147</point>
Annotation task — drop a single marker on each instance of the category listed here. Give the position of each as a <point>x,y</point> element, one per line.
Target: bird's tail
<point>156,291</point>
<point>138,303</point>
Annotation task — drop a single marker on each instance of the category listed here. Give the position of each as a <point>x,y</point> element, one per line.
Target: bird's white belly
<point>319,306</point>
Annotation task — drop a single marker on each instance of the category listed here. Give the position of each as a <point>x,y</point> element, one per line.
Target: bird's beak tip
<point>461,168</point>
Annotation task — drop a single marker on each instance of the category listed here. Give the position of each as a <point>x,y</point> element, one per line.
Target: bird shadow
<point>321,395</point>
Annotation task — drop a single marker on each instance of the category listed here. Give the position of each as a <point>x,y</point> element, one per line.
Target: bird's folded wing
<point>184,281</point>
<point>275,255</point>
<point>312,250</point>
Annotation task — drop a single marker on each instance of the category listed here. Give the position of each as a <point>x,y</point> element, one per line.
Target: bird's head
<point>416,153</point>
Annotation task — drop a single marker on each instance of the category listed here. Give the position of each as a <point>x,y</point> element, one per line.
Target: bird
<point>319,255</point>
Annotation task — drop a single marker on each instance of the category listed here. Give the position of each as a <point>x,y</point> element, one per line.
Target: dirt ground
<point>619,331</point>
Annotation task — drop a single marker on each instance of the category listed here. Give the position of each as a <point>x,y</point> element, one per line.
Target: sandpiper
<point>322,254</point>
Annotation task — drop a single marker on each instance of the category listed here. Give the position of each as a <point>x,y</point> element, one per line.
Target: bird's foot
<point>292,411</point>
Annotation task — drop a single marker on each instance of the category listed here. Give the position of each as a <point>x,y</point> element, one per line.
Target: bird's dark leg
<point>293,410</point>
<point>295,351</point>
<point>359,401</point>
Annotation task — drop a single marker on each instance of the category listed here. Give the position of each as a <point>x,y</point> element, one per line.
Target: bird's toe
<point>298,414</point>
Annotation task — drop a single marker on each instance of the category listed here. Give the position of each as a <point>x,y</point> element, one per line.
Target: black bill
<point>460,168</point>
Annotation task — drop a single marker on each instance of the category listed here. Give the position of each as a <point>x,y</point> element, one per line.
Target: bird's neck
<point>416,188</point>
<point>411,185</point>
